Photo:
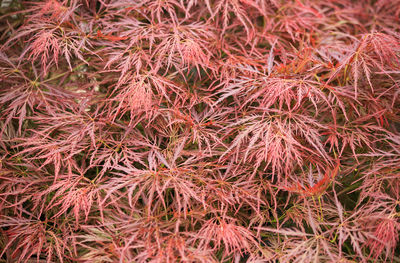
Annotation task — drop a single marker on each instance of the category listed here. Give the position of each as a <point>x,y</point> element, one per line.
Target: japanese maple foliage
<point>199,131</point>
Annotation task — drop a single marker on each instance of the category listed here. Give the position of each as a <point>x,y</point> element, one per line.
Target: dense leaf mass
<point>199,131</point>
